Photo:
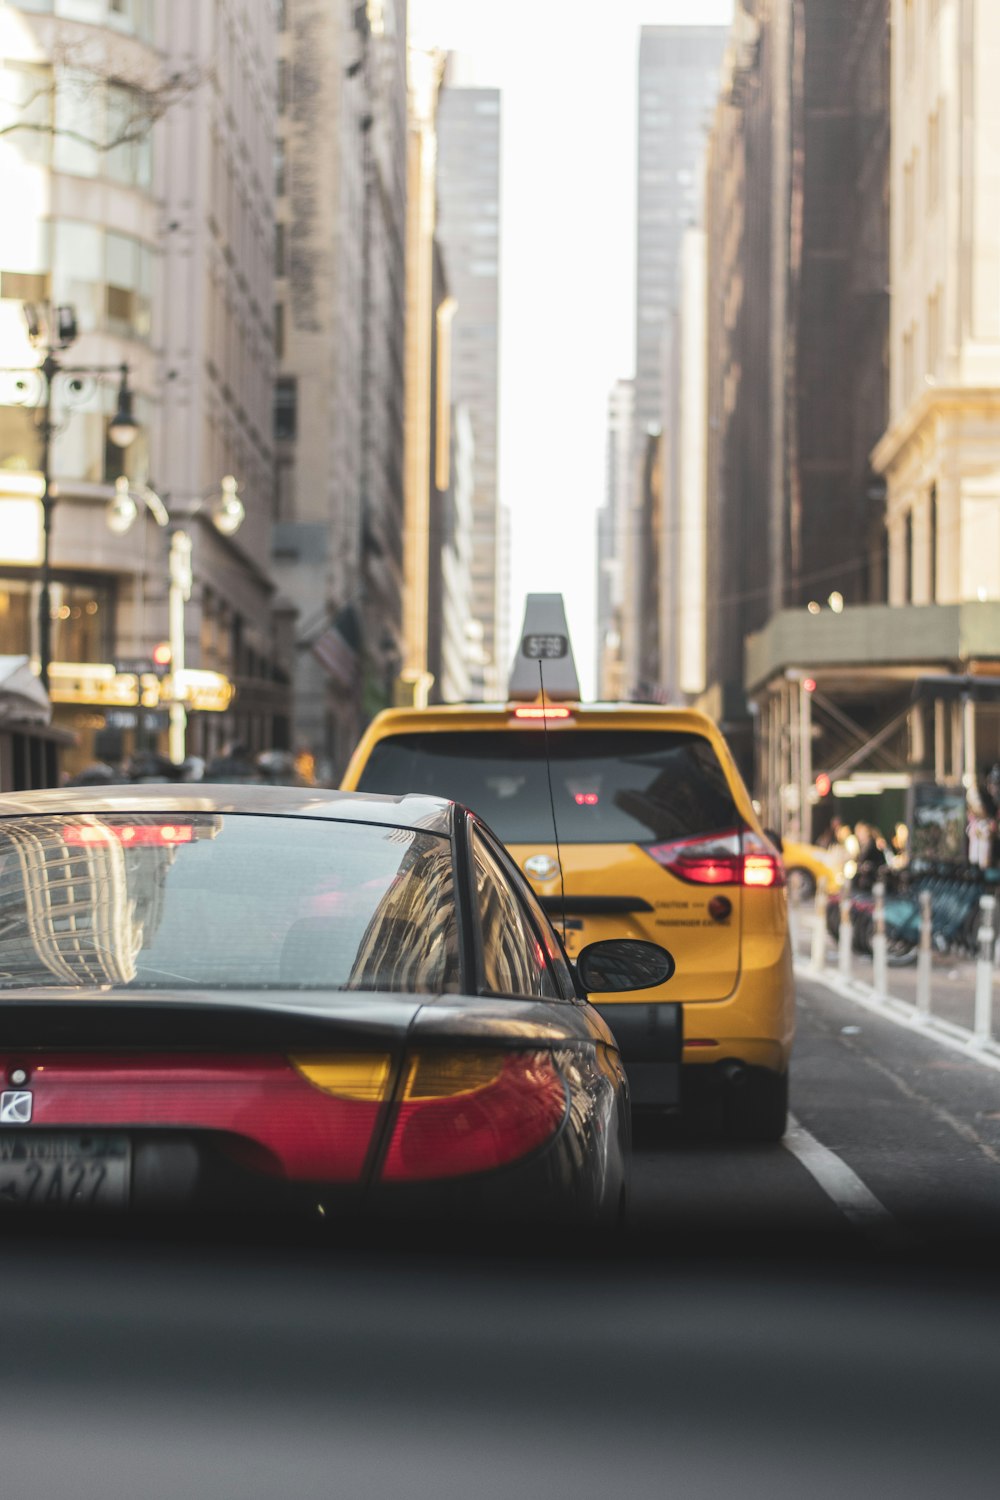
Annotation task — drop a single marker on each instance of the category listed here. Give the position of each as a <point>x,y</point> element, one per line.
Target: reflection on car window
<point>234,901</point>
<point>610,786</point>
<point>514,961</point>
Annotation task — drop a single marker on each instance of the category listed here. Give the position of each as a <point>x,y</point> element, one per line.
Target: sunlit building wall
<point>137,188</point>
<point>468,226</point>
<point>424,267</point>
<point>455,684</point>
<point>683,595</point>
<point>940,453</point>
<point>614,540</point>
<point>215,326</point>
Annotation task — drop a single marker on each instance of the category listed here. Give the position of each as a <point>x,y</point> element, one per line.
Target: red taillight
<point>473,1112</point>
<point>727,858</point>
<point>763,867</point>
<point>305,1118</point>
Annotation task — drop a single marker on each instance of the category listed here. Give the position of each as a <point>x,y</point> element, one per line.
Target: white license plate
<point>39,1170</point>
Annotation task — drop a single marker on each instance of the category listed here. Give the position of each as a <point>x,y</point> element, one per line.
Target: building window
<point>107,277</point>
<point>279,329</point>
<point>908,559</point>
<point>82,619</point>
<point>932,543</point>
<point>279,249</point>
<point>285,408</point>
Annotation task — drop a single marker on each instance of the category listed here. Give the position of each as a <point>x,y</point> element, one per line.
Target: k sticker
<point>15,1107</point>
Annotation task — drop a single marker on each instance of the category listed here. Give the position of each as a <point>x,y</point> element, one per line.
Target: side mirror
<point>776,839</point>
<point>623,964</point>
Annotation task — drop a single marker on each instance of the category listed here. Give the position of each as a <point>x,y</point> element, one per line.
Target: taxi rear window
<point>609,786</point>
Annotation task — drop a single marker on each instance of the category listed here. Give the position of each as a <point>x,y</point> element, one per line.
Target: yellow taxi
<point>806,865</point>
<point>628,820</point>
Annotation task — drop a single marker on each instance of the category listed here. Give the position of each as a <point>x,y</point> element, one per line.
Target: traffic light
<point>161,659</point>
<point>823,784</point>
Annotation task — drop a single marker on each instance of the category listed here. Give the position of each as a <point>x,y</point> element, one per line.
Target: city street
<point>787,1320</point>
<point>915,1125</point>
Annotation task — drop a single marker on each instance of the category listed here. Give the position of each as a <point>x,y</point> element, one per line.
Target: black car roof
<point>433,814</point>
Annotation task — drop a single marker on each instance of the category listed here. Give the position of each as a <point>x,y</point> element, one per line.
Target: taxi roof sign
<point>544,643</point>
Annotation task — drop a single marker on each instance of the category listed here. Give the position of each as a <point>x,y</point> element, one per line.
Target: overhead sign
<point>99,685</point>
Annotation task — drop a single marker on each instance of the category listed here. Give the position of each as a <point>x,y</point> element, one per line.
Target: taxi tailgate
<point>618,890</point>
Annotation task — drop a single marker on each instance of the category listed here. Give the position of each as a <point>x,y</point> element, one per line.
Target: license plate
<point>64,1171</point>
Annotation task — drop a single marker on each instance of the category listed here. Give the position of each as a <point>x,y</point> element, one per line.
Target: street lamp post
<point>227,514</point>
<point>121,430</point>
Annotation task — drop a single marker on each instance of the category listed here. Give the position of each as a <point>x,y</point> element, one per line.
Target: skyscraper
<point>339,310</point>
<point>468,228</point>
<point>678,85</point>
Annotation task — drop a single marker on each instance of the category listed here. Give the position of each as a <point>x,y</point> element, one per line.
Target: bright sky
<point>568,73</point>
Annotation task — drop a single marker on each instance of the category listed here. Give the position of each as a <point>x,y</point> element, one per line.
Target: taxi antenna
<point>552,800</point>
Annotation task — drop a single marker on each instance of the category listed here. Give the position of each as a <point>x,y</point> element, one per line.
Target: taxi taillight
<point>727,858</point>
<point>465,1112</point>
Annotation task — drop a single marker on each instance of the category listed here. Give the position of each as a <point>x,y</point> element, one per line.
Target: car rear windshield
<point>224,902</point>
<point>610,786</point>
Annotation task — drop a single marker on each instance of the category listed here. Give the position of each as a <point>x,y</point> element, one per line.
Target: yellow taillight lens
<point>442,1075</point>
<point>356,1075</point>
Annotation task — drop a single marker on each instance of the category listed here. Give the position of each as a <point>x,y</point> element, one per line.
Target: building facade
<point>678,83</point>
<point>339,260</point>
<point>797,319</point>
<point>136,174</point>
<point>469,230</point>
<point>940,454</point>
<point>614,525</point>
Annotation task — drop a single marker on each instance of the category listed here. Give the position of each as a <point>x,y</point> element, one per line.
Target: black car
<point>257,995</point>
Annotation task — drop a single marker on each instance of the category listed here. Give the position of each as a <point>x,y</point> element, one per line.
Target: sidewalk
<point>953,979</point>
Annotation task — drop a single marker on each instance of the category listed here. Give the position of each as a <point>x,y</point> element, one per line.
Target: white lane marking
<point>902,1013</point>
<point>839,1181</point>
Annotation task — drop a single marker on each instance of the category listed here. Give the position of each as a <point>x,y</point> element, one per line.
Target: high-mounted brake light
<point>161,835</point>
<point>728,858</point>
<point>469,1112</point>
<point>537,711</point>
<point>586,799</point>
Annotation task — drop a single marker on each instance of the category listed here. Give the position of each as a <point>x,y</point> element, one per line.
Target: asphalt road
<point>799,1320</point>
<point>915,1124</point>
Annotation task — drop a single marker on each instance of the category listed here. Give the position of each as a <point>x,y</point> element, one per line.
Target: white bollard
<point>845,937</point>
<point>793,925</point>
<point>983,1023</point>
<point>818,960</point>
<point>924,954</point>
<point>880,963</point>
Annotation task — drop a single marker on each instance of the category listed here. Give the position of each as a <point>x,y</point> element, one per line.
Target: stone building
<point>138,191</point>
